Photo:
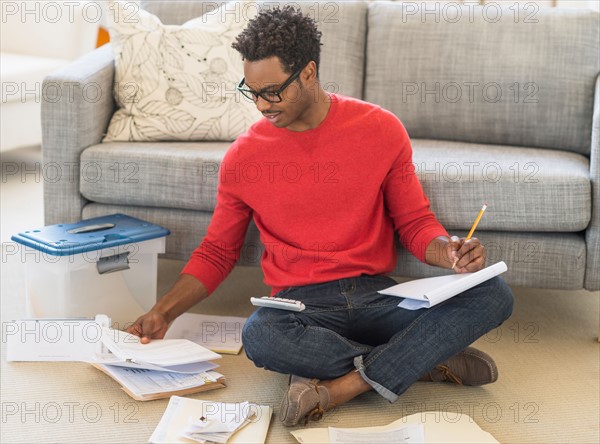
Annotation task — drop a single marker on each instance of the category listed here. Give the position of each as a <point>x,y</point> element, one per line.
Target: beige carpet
<point>548,390</point>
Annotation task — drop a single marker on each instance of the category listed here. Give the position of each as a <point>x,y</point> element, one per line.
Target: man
<point>336,182</point>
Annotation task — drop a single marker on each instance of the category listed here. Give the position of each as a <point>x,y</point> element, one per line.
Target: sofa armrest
<point>592,234</point>
<point>77,104</point>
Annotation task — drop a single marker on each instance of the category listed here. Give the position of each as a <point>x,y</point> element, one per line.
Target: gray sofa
<point>500,110</point>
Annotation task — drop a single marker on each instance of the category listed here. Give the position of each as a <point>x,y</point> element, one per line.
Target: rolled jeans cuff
<point>360,368</point>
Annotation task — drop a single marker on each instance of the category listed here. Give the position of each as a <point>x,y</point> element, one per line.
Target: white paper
<point>162,352</point>
<point>222,437</point>
<point>222,334</point>
<point>425,293</point>
<point>194,367</point>
<point>53,340</point>
<point>176,419</point>
<point>459,430</point>
<point>412,434</point>
<point>214,426</point>
<point>146,382</point>
<point>215,421</point>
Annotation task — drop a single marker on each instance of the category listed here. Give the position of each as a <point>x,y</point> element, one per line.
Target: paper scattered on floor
<point>221,334</point>
<point>215,427</point>
<point>461,429</point>
<point>191,420</point>
<point>67,339</point>
<point>412,434</point>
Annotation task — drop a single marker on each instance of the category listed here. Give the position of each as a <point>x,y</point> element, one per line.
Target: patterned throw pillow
<point>177,82</point>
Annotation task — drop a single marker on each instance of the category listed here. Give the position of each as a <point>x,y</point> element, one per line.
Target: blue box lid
<point>90,234</point>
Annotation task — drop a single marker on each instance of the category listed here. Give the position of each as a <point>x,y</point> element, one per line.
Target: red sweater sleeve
<point>405,200</point>
<point>220,249</point>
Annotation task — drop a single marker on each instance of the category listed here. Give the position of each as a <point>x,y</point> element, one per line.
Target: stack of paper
<point>146,385</point>
<point>169,354</point>
<point>158,369</point>
<point>190,420</point>
<point>145,371</point>
<point>215,426</point>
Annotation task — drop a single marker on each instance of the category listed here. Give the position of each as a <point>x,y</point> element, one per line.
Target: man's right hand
<point>186,292</point>
<point>151,325</point>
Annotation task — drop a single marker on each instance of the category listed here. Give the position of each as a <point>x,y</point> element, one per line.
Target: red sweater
<point>326,201</point>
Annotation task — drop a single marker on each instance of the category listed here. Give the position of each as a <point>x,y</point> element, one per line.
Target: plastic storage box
<point>106,265</point>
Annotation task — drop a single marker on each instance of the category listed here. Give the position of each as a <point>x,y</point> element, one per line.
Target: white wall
<point>580,4</point>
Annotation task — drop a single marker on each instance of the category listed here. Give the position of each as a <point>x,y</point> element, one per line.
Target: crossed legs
<point>350,339</point>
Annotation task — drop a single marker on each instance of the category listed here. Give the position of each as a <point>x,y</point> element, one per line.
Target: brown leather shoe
<point>469,367</point>
<point>304,400</point>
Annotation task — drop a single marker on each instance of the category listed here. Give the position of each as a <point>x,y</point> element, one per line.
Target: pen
<point>472,229</point>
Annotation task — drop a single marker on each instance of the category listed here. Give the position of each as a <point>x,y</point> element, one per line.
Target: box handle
<point>91,228</point>
<point>110,264</point>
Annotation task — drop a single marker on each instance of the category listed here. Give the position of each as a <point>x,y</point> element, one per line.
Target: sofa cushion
<point>343,24</point>
<point>544,260</point>
<point>166,174</point>
<point>526,189</point>
<point>176,12</point>
<point>481,77</point>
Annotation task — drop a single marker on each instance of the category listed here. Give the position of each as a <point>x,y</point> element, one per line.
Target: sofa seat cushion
<point>543,260</point>
<point>167,174</point>
<point>526,189</point>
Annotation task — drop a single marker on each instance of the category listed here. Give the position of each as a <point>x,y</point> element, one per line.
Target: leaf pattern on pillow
<point>196,36</point>
<point>170,54</point>
<point>145,131</point>
<point>144,69</point>
<point>120,120</point>
<point>191,87</point>
<point>207,130</point>
<point>176,120</point>
<point>177,82</point>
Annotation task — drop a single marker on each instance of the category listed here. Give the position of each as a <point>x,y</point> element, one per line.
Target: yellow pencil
<point>472,229</point>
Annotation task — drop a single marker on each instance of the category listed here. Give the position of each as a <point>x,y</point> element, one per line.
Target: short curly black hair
<point>285,33</point>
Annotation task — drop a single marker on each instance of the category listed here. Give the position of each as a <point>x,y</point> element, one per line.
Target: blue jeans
<point>348,326</point>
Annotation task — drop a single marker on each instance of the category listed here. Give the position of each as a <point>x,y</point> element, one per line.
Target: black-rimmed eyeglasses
<point>268,96</point>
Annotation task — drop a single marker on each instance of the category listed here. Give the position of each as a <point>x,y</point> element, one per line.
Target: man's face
<point>267,75</point>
